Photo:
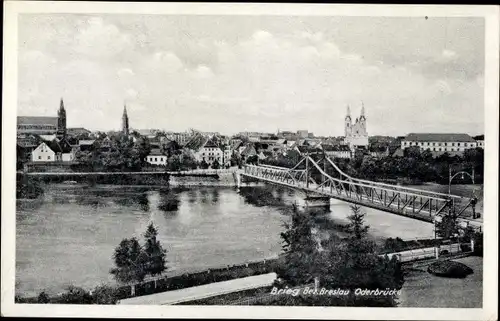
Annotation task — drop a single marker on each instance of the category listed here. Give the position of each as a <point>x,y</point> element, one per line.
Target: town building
<point>438,143</point>
<point>40,125</point>
<point>337,151</point>
<point>479,140</point>
<point>303,133</point>
<point>78,131</point>
<point>205,149</point>
<point>87,144</point>
<point>156,157</point>
<point>356,134</point>
<point>53,151</point>
<point>181,138</point>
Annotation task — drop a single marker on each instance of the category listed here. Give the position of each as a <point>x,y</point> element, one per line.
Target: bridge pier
<point>314,202</point>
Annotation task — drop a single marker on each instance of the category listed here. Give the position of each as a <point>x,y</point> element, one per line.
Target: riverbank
<point>176,282</point>
<point>190,178</point>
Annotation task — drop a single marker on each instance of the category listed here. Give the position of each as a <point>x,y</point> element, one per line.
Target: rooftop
<point>36,120</point>
<point>438,137</point>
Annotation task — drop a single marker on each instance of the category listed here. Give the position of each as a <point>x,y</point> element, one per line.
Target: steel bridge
<point>310,176</point>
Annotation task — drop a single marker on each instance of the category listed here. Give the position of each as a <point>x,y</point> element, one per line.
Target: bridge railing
<point>394,198</point>
<point>394,187</point>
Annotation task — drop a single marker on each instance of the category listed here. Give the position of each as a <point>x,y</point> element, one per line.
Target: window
<point>452,144</point>
<point>445,144</point>
<point>39,157</point>
<point>156,159</point>
<point>440,145</point>
<point>458,144</point>
<point>48,157</point>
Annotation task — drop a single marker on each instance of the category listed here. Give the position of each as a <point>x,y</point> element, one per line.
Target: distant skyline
<point>254,73</point>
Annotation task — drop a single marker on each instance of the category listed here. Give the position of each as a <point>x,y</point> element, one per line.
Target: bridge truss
<point>311,177</point>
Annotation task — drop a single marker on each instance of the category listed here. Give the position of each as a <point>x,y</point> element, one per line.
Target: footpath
<point>203,291</point>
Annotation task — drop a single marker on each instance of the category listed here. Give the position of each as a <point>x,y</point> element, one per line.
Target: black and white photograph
<point>193,156</point>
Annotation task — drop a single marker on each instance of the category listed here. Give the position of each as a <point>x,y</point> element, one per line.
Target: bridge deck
<point>415,203</point>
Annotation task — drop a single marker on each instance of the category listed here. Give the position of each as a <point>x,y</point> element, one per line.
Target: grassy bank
<point>160,284</point>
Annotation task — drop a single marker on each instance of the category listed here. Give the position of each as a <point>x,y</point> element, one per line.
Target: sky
<point>254,73</point>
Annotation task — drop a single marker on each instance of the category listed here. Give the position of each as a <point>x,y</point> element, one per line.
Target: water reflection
<point>169,201</point>
<point>262,196</point>
<point>204,196</point>
<point>215,196</point>
<point>133,200</point>
<point>192,196</point>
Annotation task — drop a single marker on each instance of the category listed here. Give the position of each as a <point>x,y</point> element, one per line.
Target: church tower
<point>362,119</point>
<point>125,129</point>
<point>348,122</point>
<point>61,121</point>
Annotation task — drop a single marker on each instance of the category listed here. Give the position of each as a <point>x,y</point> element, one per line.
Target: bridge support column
<point>237,178</point>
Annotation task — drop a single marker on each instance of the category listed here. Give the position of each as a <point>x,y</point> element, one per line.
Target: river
<point>68,235</point>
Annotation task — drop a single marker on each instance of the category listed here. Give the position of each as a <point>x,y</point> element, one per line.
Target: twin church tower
<point>356,134</point>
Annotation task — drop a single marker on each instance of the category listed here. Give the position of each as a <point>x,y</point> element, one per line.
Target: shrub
<point>76,295</point>
<point>43,298</point>
<point>449,269</point>
<point>104,294</point>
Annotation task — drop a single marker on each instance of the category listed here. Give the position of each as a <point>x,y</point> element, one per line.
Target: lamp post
<point>450,177</point>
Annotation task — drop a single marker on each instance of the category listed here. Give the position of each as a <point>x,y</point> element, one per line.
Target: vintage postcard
<point>250,160</point>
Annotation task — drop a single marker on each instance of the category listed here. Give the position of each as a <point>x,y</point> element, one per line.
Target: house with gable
<point>53,151</point>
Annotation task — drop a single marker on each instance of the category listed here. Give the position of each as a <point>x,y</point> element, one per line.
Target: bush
<point>43,298</point>
<point>104,294</point>
<point>450,269</point>
<point>75,295</point>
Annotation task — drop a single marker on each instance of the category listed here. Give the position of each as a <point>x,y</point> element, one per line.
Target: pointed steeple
<point>125,129</point>
<point>348,113</point>
<point>362,110</point>
<point>61,105</point>
<point>61,121</point>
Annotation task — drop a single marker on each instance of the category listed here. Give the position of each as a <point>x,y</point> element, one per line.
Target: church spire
<point>61,121</point>
<point>125,129</point>
<point>348,113</point>
<point>362,110</point>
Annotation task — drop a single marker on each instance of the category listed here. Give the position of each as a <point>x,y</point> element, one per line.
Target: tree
<point>448,227</point>
<point>76,295</point>
<point>254,159</point>
<point>204,164</point>
<point>130,262</point>
<point>300,250</point>
<point>156,255</point>
<point>174,163</point>
<point>412,152</point>
<point>142,148</point>
<point>215,164</point>
<point>43,298</point>
<point>235,159</point>
<point>104,294</point>
<point>188,160</point>
<point>357,226</point>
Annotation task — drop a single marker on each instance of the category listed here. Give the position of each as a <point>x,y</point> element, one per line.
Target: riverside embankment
<point>209,177</point>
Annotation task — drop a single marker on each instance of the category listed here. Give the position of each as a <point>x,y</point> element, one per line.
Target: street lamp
<point>450,177</point>
<point>473,182</point>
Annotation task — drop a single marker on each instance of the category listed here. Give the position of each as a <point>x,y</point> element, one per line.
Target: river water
<point>68,235</point>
